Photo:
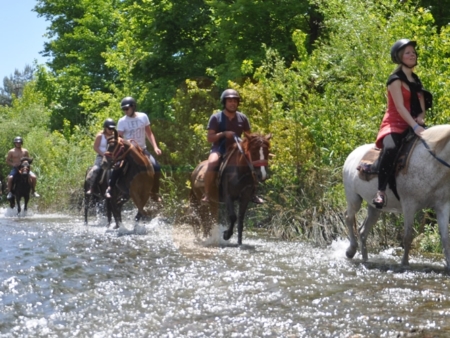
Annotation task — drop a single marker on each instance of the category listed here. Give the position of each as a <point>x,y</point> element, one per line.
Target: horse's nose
<point>262,174</point>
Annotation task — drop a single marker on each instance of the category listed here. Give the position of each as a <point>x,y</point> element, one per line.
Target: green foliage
<point>431,241</point>
<point>312,73</point>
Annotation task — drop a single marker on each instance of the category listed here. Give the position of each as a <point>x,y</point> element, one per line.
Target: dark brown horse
<point>244,165</point>
<point>21,186</point>
<point>96,200</point>
<point>135,180</point>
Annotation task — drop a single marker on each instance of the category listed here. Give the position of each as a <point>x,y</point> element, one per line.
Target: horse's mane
<point>437,137</point>
<point>251,141</point>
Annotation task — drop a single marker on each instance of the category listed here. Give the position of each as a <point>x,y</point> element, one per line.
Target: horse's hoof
<point>350,253</point>
<point>227,235</point>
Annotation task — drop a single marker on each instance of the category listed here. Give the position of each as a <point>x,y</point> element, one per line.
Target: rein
<point>433,154</point>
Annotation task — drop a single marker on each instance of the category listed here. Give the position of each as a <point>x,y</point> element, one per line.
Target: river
<point>60,278</point>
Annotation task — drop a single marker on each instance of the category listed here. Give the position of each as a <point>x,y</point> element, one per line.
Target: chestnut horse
<point>244,165</point>
<point>424,184</point>
<point>21,185</point>
<point>136,176</point>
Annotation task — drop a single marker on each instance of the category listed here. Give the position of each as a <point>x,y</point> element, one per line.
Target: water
<point>60,278</point>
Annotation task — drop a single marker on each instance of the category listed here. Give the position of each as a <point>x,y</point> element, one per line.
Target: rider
<point>136,126</point>
<point>13,160</point>
<point>223,126</point>
<point>406,109</point>
<point>100,145</point>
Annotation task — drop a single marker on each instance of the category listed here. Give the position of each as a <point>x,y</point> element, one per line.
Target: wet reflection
<point>59,278</point>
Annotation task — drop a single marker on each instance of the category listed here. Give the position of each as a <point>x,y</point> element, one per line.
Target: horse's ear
<point>269,136</point>
<point>30,160</point>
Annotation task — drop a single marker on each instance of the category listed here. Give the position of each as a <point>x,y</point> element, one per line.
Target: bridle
<point>248,158</point>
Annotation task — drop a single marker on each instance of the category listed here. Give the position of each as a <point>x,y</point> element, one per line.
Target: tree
<point>14,85</point>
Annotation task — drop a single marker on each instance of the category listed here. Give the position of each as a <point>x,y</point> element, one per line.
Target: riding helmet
<point>398,46</point>
<point>109,123</point>
<point>128,102</point>
<point>18,139</point>
<point>229,93</point>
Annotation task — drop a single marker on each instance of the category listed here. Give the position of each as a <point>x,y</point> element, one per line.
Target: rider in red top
<point>406,109</point>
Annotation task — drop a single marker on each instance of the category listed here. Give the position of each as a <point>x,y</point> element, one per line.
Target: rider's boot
<point>210,181</point>
<point>155,189</point>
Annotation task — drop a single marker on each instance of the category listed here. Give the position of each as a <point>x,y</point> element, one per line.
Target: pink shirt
<point>393,122</point>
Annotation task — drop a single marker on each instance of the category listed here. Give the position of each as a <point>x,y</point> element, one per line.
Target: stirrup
<point>108,193</point>
<point>205,199</point>
<point>379,200</point>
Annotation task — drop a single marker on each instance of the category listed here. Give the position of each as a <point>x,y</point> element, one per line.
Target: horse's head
<point>25,165</point>
<point>256,147</point>
<point>111,148</point>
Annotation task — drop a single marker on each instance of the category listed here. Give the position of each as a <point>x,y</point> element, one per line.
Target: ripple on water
<point>60,278</point>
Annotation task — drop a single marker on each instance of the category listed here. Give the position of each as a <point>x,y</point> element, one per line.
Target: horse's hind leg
<point>350,221</point>
<point>372,217</point>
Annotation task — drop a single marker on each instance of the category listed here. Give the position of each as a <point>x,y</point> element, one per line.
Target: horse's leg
<point>19,209</point>
<point>86,208</point>
<point>443,214</point>
<point>372,217</point>
<point>408,215</point>
<point>353,205</point>
<point>25,207</point>
<point>232,218</point>
<point>243,205</point>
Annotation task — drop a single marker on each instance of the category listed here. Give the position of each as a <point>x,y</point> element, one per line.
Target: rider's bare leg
<point>210,176</point>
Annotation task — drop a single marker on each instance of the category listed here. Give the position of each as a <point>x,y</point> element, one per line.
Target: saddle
<point>368,167</point>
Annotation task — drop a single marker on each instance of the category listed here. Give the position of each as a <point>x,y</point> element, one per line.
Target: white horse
<point>424,184</point>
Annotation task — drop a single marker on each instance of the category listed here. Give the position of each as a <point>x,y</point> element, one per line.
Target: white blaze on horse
<point>424,183</point>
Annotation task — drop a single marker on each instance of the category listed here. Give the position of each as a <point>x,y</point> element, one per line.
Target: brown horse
<point>136,175</point>
<point>244,164</point>
<point>21,185</point>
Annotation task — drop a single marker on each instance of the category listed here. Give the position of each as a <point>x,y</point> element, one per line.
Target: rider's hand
<point>157,151</point>
<point>418,130</point>
<point>229,134</point>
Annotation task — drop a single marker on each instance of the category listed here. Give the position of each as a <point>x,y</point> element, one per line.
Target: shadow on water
<point>399,268</point>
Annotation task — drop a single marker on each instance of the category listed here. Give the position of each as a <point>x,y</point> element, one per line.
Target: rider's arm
<point>98,140</point>
<point>151,138</point>
<point>9,159</point>
<point>214,136</point>
<point>395,88</point>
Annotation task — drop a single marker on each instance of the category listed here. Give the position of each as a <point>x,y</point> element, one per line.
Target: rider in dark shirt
<point>222,129</point>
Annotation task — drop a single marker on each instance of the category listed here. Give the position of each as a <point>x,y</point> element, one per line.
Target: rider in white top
<point>136,126</point>
<point>100,145</point>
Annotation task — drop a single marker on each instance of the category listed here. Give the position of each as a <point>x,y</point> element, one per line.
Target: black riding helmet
<point>109,123</point>
<point>18,139</point>
<point>128,102</point>
<point>398,46</point>
<point>229,93</point>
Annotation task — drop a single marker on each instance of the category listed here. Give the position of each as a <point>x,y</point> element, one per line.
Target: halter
<point>248,157</point>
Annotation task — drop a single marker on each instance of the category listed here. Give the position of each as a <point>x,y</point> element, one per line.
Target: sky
<point>21,36</point>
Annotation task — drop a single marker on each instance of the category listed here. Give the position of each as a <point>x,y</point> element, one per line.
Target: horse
<point>424,183</point>
<point>97,197</point>
<point>244,164</point>
<point>21,185</point>
<point>136,176</point>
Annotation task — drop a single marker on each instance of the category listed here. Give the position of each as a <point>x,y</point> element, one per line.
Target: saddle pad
<point>365,165</point>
